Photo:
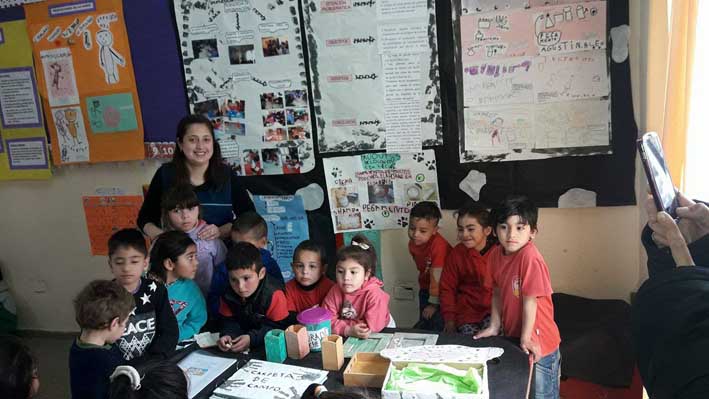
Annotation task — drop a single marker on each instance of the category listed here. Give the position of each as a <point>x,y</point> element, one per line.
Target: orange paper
<point>107,214</point>
<point>85,77</point>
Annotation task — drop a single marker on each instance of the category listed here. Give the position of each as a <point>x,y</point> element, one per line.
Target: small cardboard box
<point>297,341</point>
<point>366,370</point>
<point>332,353</point>
<point>457,356</point>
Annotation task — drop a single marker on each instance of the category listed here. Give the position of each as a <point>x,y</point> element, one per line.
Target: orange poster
<point>106,215</point>
<point>85,78</point>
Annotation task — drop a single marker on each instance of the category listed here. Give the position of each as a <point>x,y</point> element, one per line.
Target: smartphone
<point>658,176</point>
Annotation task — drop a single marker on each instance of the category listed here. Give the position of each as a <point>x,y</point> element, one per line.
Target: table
<point>507,375</point>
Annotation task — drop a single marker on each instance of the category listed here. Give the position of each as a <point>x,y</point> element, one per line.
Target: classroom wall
<point>44,248</point>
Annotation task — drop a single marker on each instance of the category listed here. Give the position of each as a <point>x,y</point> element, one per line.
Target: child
<point>152,328</point>
<point>251,227</point>
<point>429,250</point>
<point>521,298</point>
<point>357,302</point>
<point>465,300</point>
<point>252,305</point>
<point>310,285</point>
<point>102,310</point>
<point>18,369</point>
<point>152,380</point>
<point>173,261</point>
<point>181,211</point>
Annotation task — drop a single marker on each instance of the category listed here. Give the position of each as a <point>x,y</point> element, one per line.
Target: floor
<point>52,353</point>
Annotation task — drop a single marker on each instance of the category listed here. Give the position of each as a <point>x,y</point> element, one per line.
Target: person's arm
<point>448,286</point>
<point>166,331</point>
<point>220,256</point>
<point>229,326</point>
<point>196,317</point>
<point>149,215</point>
<point>331,303</point>
<point>439,253</point>
<point>377,313</point>
<point>495,317</point>
<point>276,316</point>
<point>529,315</point>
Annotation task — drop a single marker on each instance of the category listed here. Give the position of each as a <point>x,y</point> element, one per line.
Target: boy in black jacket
<point>152,327</point>
<point>252,304</point>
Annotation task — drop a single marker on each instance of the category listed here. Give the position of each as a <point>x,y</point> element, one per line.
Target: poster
<point>244,69</point>
<point>287,227</point>
<point>387,93</point>
<point>107,214</point>
<point>85,78</point>
<point>202,368</point>
<point>23,143</point>
<point>261,379</point>
<point>536,81</point>
<point>376,191</point>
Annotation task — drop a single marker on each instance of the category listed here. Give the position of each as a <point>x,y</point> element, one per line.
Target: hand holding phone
<point>658,176</point>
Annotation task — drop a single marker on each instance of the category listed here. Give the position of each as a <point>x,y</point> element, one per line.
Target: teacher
<point>198,162</point>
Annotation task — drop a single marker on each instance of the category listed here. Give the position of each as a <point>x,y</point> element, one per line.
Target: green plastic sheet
<point>420,377</point>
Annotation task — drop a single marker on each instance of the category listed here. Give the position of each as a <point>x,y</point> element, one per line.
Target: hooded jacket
<point>369,304</point>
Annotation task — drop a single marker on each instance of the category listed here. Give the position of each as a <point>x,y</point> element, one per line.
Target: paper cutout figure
<point>108,57</point>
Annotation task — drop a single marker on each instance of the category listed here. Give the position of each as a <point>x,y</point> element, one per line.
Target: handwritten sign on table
<point>107,214</point>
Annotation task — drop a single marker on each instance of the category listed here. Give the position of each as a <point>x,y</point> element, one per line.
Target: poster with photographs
<point>377,191</point>
<point>245,71</point>
<point>387,93</point>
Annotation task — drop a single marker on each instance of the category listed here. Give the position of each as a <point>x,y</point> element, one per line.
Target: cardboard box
<point>332,353</point>
<point>366,370</point>
<point>457,356</point>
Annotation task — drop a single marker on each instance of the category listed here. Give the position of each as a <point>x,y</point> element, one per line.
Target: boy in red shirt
<point>465,300</point>
<point>310,284</point>
<point>521,299</point>
<point>429,250</point>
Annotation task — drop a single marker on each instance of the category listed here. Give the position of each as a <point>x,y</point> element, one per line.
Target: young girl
<point>358,303</point>
<point>18,369</point>
<point>465,299</point>
<point>181,211</point>
<point>173,260</point>
<point>310,285</point>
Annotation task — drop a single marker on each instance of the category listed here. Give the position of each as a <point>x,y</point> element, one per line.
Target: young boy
<point>250,227</point>
<point>251,305</point>
<point>152,328</point>
<point>521,298</point>
<point>429,250</point>
<point>102,310</point>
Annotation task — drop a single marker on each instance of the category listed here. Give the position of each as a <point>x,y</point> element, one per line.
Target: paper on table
<point>201,368</point>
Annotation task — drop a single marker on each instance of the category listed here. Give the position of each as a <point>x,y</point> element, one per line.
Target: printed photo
<point>350,221</point>
<point>243,54</point>
<point>298,133</point>
<point>273,46</point>
<point>344,197</point>
<point>209,108</point>
<point>234,128</point>
<point>271,101</point>
<point>296,98</point>
<point>297,117</point>
<point>420,192</point>
<point>234,109</point>
<point>271,158</point>
<point>291,160</point>
<point>252,163</point>
<point>276,134</point>
<point>206,48</point>
<point>274,118</point>
<point>381,193</point>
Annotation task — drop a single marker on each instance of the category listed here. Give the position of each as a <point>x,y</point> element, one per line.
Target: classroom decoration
<point>287,227</point>
<point>85,78</point>
<point>275,343</point>
<point>535,82</point>
<point>377,342</point>
<point>259,379</point>
<point>107,214</point>
<point>23,143</point>
<point>244,70</point>
<point>201,368</point>
<point>386,94</point>
<point>377,191</point>
<point>317,321</point>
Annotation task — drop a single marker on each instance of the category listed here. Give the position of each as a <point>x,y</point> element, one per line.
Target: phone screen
<point>658,172</point>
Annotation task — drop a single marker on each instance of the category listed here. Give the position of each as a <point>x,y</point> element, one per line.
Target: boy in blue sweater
<point>252,228</point>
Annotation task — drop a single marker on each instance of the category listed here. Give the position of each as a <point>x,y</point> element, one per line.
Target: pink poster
<point>498,34</point>
<point>570,28</point>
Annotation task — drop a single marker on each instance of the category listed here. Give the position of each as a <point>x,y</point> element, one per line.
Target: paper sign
<point>106,215</point>
<point>30,153</point>
<point>19,103</point>
<point>112,113</point>
<point>201,368</point>
<point>60,77</point>
<point>71,134</point>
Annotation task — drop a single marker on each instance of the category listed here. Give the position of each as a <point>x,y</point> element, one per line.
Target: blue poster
<point>287,227</point>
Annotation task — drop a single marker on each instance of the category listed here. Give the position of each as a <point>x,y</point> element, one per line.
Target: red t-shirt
<point>464,296</point>
<point>300,299</point>
<point>431,255</point>
<point>525,273</point>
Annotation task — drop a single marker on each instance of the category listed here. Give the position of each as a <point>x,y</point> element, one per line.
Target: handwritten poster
<point>23,143</point>
<point>535,80</point>
<point>244,70</point>
<point>387,94</point>
<point>85,76</point>
<point>202,368</point>
<point>107,214</point>
<point>377,191</point>
<point>287,227</point>
<point>260,379</point>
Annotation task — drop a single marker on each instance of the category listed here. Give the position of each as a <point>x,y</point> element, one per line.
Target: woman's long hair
<point>216,173</point>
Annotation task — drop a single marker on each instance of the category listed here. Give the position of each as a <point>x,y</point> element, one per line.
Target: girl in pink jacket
<point>357,302</point>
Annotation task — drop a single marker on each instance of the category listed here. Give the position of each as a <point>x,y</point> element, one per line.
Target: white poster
<point>573,76</point>
<point>377,191</point>
<point>201,368</point>
<point>346,44</point>
<point>60,77</point>
<point>245,71</point>
<point>19,103</point>
<point>71,134</point>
